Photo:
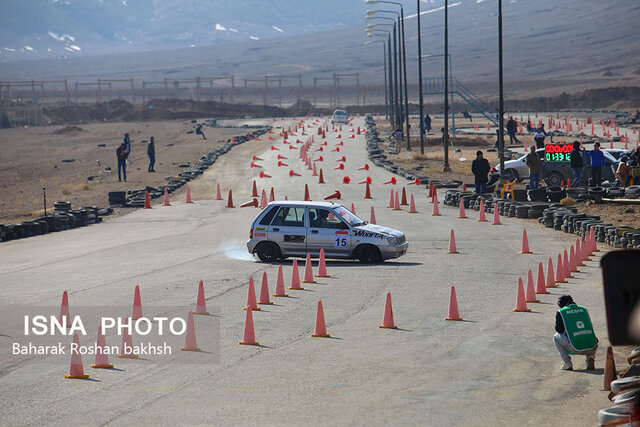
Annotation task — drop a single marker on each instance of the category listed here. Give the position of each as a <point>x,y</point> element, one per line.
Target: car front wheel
<point>369,254</point>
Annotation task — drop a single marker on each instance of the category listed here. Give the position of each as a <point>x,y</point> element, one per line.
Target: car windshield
<point>340,113</point>
<point>348,216</point>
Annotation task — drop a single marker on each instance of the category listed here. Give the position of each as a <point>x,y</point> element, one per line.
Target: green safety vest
<point>578,327</point>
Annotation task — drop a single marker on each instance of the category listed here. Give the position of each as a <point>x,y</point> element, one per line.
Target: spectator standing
<point>533,162</point>
<point>427,123</point>
<point>121,154</point>
<point>574,333</point>
<point>576,164</point>
<point>597,161</point>
<point>127,144</point>
<point>480,168</point>
<point>200,132</point>
<point>539,136</point>
<point>512,128</point>
<point>151,152</point>
<point>623,171</point>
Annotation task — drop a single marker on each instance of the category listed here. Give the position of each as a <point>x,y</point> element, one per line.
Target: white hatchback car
<point>293,228</point>
<point>340,116</point>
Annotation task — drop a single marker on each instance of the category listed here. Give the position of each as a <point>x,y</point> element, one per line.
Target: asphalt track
<point>496,367</point>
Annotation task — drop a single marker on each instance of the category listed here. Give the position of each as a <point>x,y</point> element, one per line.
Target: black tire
<point>268,252</point>
<point>553,178</point>
<point>369,254</point>
<point>63,206</point>
<point>511,174</point>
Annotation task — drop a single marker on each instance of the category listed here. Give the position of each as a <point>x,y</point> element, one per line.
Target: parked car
<point>340,116</point>
<point>293,228</point>
<point>553,173</point>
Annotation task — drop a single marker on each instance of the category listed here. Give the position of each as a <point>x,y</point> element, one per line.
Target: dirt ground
<point>32,158</point>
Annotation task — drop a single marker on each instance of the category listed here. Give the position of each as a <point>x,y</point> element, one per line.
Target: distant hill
<point>584,43</point>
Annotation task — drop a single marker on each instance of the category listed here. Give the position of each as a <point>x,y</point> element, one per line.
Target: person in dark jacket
<point>480,168</point>
<point>576,164</point>
<point>535,166</point>
<point>539,136</point>
<point>121,154</point>
<point>574,333</point>
<point>427,123</point>
<point>127,144</point>
<point>200,132</point>
<point>151,152</point>
<point>512,128</point>
<point>597,161</point>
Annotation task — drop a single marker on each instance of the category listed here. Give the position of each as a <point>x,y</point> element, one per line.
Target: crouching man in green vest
<point>574,333</point>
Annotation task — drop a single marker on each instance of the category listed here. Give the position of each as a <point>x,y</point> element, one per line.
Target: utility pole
<point>420,83</point>
<point>445,134</point>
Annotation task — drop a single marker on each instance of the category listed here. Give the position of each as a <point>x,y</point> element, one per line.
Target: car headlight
<point>392,240</point>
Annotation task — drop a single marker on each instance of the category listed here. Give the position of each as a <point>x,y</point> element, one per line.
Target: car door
<point>329,232</point>
<point>288,230</point>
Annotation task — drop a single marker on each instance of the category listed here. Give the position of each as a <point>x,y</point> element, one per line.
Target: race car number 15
<point>340,242</point>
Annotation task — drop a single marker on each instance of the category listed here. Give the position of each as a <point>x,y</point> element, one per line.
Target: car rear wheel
<point>268,252</point>
<point>511,174</point>
<point>369,254</point>
<point>554,178</point>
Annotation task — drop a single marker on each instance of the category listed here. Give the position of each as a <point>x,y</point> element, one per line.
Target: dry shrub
<point>568,201</point>
<point>66,192</point>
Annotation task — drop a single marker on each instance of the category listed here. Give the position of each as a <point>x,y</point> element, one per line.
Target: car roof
<point>339,112</point>
<point>304,204</point>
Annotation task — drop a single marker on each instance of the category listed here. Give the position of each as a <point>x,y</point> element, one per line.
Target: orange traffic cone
<point>254,191</point>
<point>392,181</point>
<point>530,294</point>
<point>335,195</point>
<point>263,199</point>
<point>306,193</point>
<point>251,297</point>
<point>230,200</point>
<point>136,311</point>
<point>315,172</point>
<point>280,284</point>
<point>551,283</point>
<point>540,284</point>
<point>353,208</point>
<point>188,198</point>
<point>249,338</point>
<point>609,370</point>
<point>560,278</point>
<point>412,205</point>
<point>322,265</point>
<point>373,216</point>
<point>308,271</point>
<point>367,192</point>
<point>396,203</point>
<point>391,199</point>
<point>387,318</point>
<point>453,306</point>
<point>102,358</point>
<point>525,243</point>
<point>481,216</point>
<point>295,276</point>
<point>461,212</point>
<point>76,370</point>
<point>321,329</point>
<point>166,198</point>
<point>272,196</point>
<point>452,244</point>
<point>573,264</point>
<point>521,303</point>
<point>436,211</point>
<point>65,318</point>
<point>252,202</point>
<point>403,202</point>
<point>496,216</point>
<point>147,201</point>
<point>320,178</point>
<point>201,303</point>
<point>126,349</point>
<point>190,343</point>
<point>264,175</point>
<point>264,290</point>
<point>218,193</point>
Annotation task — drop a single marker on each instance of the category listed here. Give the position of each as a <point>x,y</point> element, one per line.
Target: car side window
<point>266,219</point>
<point>289,217</point>
<point>323,218</point>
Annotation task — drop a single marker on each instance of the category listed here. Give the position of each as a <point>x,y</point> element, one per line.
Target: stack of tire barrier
<point>135,198</point>
<point>379,159</point>
<point>63,218</point>
<point>625,396</point>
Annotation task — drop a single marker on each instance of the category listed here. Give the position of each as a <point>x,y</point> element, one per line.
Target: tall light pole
<point>500,91</point>
<point>393,76</point>
<point>445,134</point>
<point>404,64</point>
<point>421,102</point>
<point>384,62</point>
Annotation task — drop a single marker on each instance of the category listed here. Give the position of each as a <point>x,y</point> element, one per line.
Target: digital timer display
<point>557,152</point>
